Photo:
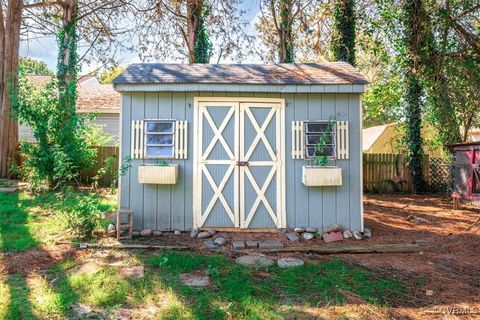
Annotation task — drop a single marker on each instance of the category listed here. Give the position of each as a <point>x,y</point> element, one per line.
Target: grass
<point>237,292</point>
<point>27,220</point>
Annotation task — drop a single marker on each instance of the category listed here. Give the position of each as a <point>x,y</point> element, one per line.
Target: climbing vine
<point>416,44</point>
<point>61,150</point>
<point>343,38</point>
<point>203,45</point>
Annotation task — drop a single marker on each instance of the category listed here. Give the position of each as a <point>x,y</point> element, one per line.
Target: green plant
<point>60,151</point>
<point>320,159</point>
<point>83,216</point>
<point>162,163</point>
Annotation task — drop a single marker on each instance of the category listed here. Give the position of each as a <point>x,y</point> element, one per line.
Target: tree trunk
<point>344,36</point>
<point>9,59</point>
<point>67,58</point>
<point>194,7</point>
<point>285,37</point>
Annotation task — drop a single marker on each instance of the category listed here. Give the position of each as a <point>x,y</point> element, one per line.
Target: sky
<point>45,48</point>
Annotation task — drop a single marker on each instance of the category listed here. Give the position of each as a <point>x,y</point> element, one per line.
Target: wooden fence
<point>107,160</point>
<point>388,173</point>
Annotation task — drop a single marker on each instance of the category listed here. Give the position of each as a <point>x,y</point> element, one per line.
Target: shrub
<point>61,149</point>
<point>83,215</point>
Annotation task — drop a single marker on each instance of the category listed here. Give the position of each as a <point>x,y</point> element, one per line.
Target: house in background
<point>93,97</point>
<point>388,139</point>
<point>231,146</point>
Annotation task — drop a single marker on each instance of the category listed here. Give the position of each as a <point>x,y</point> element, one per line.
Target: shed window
<point>313,131</point>
<point>159,139</point>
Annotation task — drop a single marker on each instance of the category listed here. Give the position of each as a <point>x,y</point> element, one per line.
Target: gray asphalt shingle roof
<point>282,74</point>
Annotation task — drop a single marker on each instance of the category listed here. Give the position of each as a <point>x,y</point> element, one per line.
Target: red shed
<point>467,171</point>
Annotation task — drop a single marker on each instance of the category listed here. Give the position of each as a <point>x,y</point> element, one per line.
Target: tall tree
<point>165,27</point>
<point>343,38</point>
<point>284,30</point>
<point>67,58</point>
<point>9,50</point>
<point>281,25</point>
<point>199,44</point>
<point>417,41</point>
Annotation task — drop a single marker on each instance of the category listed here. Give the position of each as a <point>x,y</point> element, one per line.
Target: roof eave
<point>242,87</point>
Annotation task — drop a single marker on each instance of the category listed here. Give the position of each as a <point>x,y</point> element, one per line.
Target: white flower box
<point>158,174</point>
<point>313,176</point>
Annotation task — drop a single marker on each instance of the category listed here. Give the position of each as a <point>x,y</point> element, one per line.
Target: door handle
<point>242,163</point>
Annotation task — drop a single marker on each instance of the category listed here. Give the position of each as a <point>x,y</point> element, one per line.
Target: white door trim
<point>278,167</point>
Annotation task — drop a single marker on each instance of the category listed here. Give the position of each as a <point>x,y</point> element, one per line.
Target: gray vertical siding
<point>170,207</point>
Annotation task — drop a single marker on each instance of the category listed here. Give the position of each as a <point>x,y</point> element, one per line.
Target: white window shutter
<point>181,136</point>
<point>342,140</point>
<point>298,140</point>
<point>137,139</point>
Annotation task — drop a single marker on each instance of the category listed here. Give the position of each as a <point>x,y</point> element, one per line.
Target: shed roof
<point>336,73</point>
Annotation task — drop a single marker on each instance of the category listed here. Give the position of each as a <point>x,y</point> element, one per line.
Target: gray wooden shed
<point>229,146</point>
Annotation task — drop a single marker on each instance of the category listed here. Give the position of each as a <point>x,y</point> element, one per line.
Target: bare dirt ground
<point>443,280</point>
<point>449,264</point>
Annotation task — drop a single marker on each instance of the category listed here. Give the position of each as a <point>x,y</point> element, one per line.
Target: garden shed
<point>230,146</point>
<point>466,165</point>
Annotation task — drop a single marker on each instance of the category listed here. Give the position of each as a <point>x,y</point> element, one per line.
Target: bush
<point>83,215</point>
<point>61,149</point>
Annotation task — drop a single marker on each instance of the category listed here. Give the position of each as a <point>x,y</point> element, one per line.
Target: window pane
<point>165,127</point>
<point>160,152</point>
<point>317,127</point>
<point>159,139</point>
<point>327,151</point>
<point>313,138</point>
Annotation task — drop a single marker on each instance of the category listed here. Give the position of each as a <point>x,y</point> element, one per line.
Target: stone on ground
<point>357,235</point>
<point>367,233</point>
<point>299,230</point>
<point>137,272</point>
<point>238,244</point>
<point>194,233</point>
<point>308,236</point>
<point>177,232</point>
<point>8,189</point>
<point>195,280</point>
<point>157,233</point>
<point>347,234</point>
<point>146,232</point>
<point>333,228</point>
<point>220,241</point>
<point>211,231</point>
<point>204,235</point>
<point>90,267</point>
<point>292,237</point>
<point>270,244</point>
<point>290,262</point>
<point>311,230</point>
<point>255,261</point>
<point>251,243</point>
<point>209,244</point>
<point>135,233</point>
<point>333,236</point>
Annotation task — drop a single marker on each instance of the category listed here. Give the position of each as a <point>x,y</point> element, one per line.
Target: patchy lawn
<point>40,280</point>
<point>236,292</point>
<point>28,221</point>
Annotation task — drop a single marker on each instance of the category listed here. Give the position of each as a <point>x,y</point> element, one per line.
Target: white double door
<point>238,165</point>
